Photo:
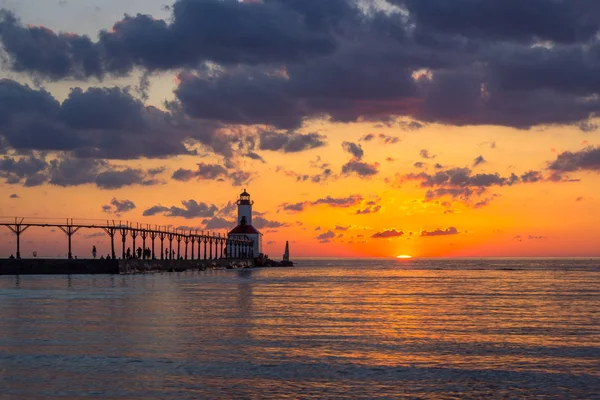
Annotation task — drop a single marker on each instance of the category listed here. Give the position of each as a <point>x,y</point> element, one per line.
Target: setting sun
<point>404,256</point>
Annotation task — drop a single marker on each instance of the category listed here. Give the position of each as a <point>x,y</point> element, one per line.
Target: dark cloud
<point>387,234</point>
<point>419,164</point>
<point>463,184</point>
<point>64,171</point>
<point>586,159</point>
<point>15,170</point>
<point>183,175</point>
<point>262,223</point>
<point>324,237</point>
<point>531,237</point>
<point>532,177</point>
<point>561,21</point>
<point>280,63</point>
<point>218,223</point>
<point>341,202</point>
<point>14,196</point>
<point>291,142</point>
<point>369,210</point>
<point>478,161</point>
<point>354,149</point>
<point>248,32</point>
<point>116,179</point>
<point>385,139</point>
<point>191,209</point>
<point>119,206</point>
<point>105,123</point>
<point>439,232</point>
<point>212,172</point>
<point>361,169</point>
<point>425,154</point>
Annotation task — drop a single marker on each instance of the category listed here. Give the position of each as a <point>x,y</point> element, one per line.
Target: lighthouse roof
<point>244,230</point>
<point>244,193</point>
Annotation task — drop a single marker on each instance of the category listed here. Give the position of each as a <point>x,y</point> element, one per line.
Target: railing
<point>223,246</point>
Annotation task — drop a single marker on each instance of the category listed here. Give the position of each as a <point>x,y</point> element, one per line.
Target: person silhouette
<point>94,252</point>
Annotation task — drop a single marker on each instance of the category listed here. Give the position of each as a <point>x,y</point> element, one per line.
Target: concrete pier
<point>79,267</point>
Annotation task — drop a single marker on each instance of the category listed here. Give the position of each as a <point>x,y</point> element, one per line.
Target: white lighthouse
<point>244,229</point>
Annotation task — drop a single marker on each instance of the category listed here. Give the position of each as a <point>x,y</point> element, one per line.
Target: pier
<point>199,245</point>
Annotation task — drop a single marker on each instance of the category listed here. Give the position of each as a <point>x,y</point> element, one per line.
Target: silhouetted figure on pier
<point>108,257</point>
<point>139,252</point>
<point>166,254</point>
<point>94,252</point>
<point>11,257</point>
<point>173,254</point>
<point>128,254</point>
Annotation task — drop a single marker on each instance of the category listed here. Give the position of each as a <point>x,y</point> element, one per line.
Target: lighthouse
<point>244,229</point>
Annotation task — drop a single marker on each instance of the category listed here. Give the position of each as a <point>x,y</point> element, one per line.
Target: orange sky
<point>539,219</point>
<point>395,210</point>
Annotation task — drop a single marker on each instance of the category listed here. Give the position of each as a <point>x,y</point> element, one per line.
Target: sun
<point>404,256</point>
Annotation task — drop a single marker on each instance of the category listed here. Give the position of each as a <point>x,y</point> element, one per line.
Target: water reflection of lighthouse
<point>244,229</point>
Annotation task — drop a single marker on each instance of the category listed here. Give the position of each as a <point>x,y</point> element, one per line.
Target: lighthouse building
<point>244,229</point>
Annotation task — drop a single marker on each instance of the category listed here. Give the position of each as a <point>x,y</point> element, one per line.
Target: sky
<point>373,128</point>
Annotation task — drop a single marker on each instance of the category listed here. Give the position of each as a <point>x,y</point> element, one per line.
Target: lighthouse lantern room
<point>244,229</point>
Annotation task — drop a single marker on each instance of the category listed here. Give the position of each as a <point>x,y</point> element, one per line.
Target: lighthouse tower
<point>244,229</point>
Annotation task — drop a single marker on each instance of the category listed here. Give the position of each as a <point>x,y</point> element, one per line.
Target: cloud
<point>262,223</point>
<point>462,183</point>
<point>323,237</point>
<point>587,159</point>
<point>368,210</point>
<point>35,170</point>
<point>280,63</point>
<point>101,123</point>
<point>531,237</point>
<point>341,202</point>
<point>275,34</point>
<point>354,149</point>
<point>14,196</point>
<point>532,177</point>
<point>425,154</point>
<point>119,206</point>
<point>439,232</point>
<point>362,169</point>
<point>478,161</point>
<point>388,234</point>
<point>385,139</point>
<point>290,142</point>
<point>191,209</point>
<point>218,223</point>
<point>561,22</point>
<point>212,172</point>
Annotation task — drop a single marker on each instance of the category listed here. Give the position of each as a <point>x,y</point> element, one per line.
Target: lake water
<point>427,329</point>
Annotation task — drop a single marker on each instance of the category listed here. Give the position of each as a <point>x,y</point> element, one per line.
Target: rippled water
<point>325,329</point>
